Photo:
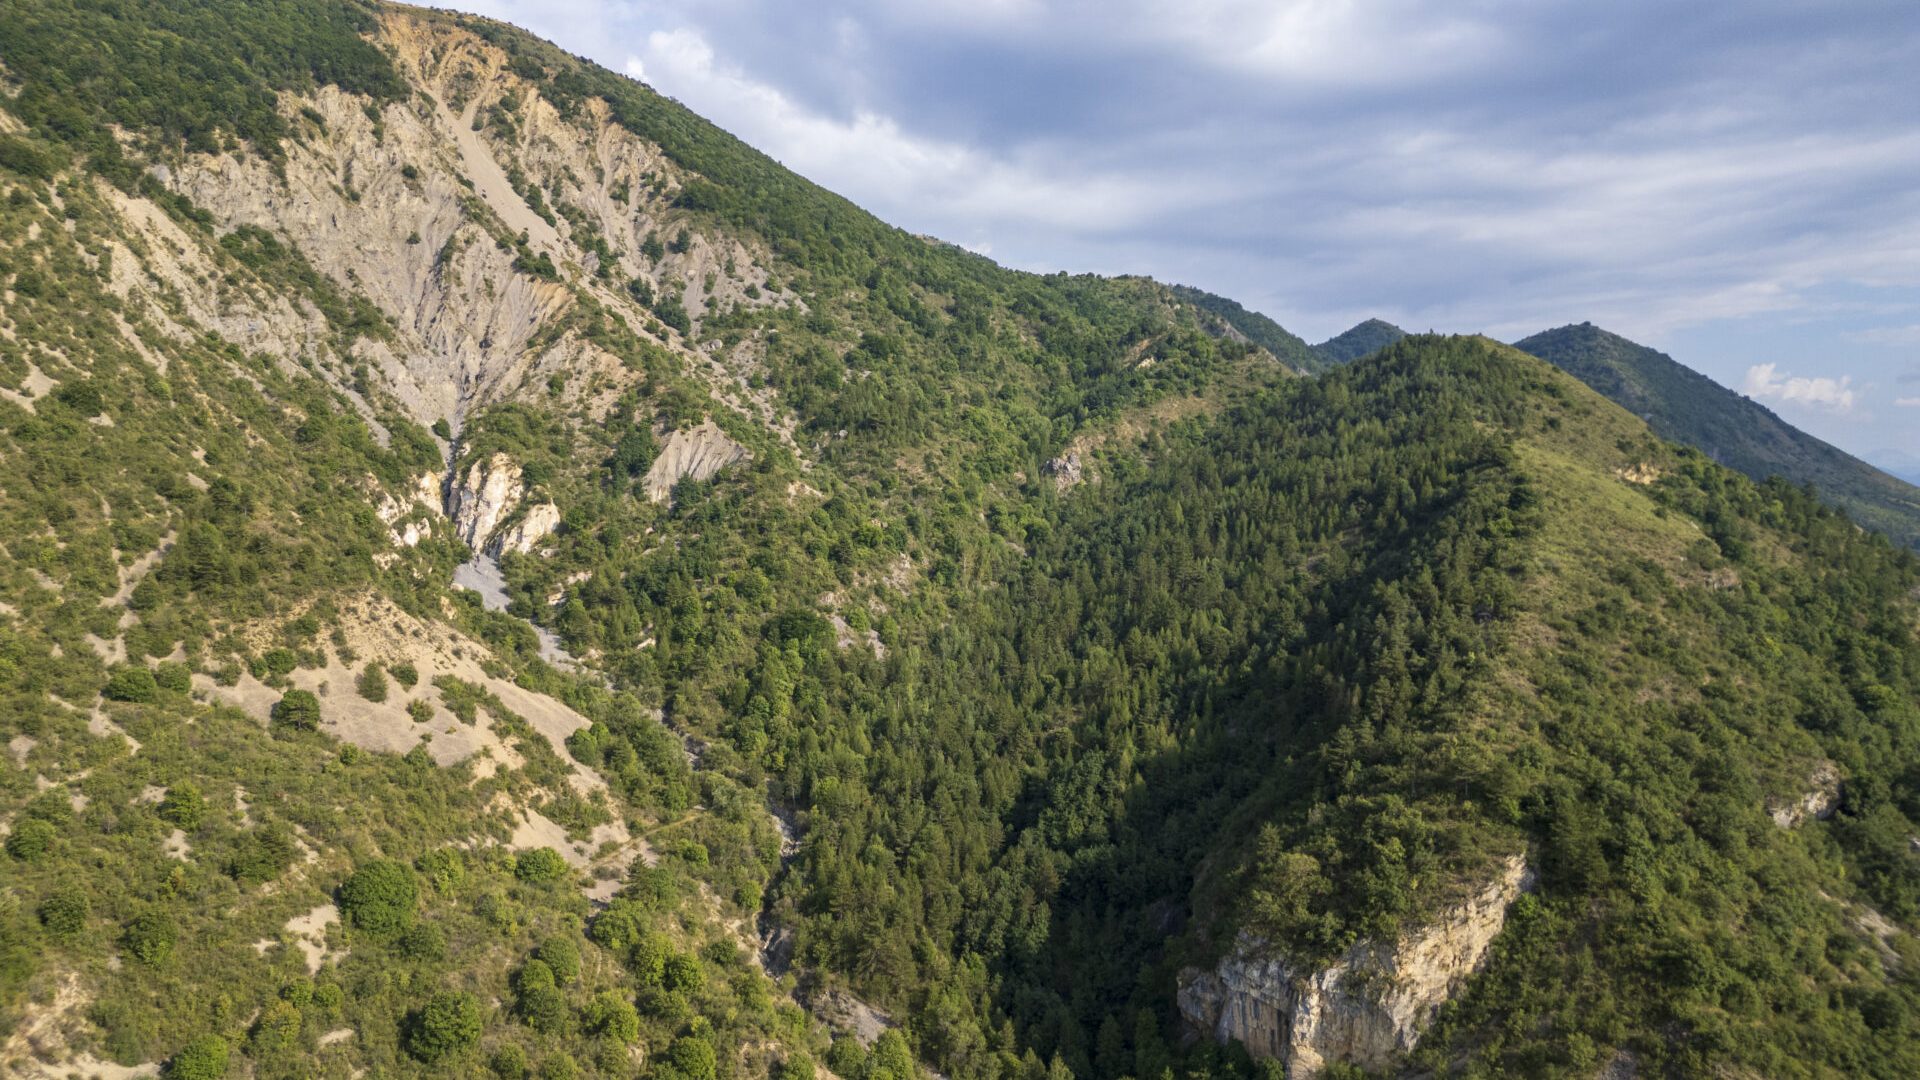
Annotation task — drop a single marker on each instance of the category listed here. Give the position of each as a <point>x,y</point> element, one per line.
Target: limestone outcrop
<point>404,517</point>
<point>1366,1008</point>
<point>486,509</point>
<point>698,452</point>
<point>1817,802</point>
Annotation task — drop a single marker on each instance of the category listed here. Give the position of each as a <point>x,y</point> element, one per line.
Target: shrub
<point>563,956</point>
<point>533,975</point>
<point>298,710</point>
<point>183,806</point>
<point>404,673</point>
<point>560,1066</point>
<point>539,866</point>
<point>424,942</point>
<point>275,1032</point>
<point>263,854</point>
<point>379,897</point>
<point>150,937</point>
<point>64,913</point>
<point>694,1058</point>
<point>372,683</point>
<point>131,683</point>
<point>611,1015</point>
<point>31,839</point>
<point>544,1009</point>
<point>421,710</point>
<point>205,1058</point>
<point>509,1062</point>
<point>448,1025</point>
<point>173,676</point>
<point>445,869</point>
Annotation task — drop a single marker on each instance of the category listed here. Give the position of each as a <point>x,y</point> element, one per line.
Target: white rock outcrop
<point>1818,801</point>
<point>483,507</point>
<point>1366,1008</point>
<point>698,452</point>
<point>422,492</point>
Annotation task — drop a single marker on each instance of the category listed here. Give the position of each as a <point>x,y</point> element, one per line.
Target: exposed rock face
<point>423,492</point>
<point>520,536</point>
<point>1366,1008</point>
<point>1818,802</point>
<point>698,452</point>
<point>483,509</point>
<point>1066,470</point>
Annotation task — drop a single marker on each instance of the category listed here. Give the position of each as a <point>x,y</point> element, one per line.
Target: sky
<point>1735,184</point>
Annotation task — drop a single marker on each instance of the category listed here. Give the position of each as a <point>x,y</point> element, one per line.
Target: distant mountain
<point>1683,405</point>
<point>1363,340</point>
<point>1898,463</point>
<point>1255,327</point>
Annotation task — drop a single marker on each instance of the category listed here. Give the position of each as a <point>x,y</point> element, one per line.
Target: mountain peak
<point>1683,405</point>
<point>1362,339</point>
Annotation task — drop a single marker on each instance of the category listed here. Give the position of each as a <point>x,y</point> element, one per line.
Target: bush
<point>298,710</point>
<point>421,710</point>
<point>173,676</point>
<point>448,1025</point>
<point>205,1058</point>
<point>404,673</point>
<point>694,1058</point>
<point>539,866</point>
<point>379,897</point>
<point>611,1015</point>
<point>31,839</point>
<point>131,683</point>
<point>544,1009</point>
<point>183,806</point>
<point>275,1032</point>
<point>64,913</point>
<point>372,683</point>
<point>424,942</point>
<point>509,1062</point>
<point>150,937</point>
<point>445,868</point>
<point>563,956</point>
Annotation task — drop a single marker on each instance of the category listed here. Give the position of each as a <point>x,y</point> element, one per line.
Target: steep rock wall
<point>697,452</point>
<point>485,505</point>
<point>1366,1008</point>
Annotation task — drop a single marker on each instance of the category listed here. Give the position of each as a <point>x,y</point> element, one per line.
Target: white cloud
<point>1887,335</point>
<point>872,157</point>
<point>1908,402</point>
<point>1765,381</point>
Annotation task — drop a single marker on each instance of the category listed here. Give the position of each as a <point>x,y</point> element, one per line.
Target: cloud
<point>1496,166</point>
<point>1887,335</point>
<point>1908,402</point>
<point>1764,381</point>
<point>871,153</point>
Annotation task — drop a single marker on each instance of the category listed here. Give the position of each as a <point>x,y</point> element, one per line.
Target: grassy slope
<point>1685,406</point>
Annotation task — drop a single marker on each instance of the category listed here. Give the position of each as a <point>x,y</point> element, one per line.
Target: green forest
<point>896,708</point>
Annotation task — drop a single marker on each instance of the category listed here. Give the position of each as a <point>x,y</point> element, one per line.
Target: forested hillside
<point>497,577</point>
<point>1685,406</point>
<point>1361,339</point>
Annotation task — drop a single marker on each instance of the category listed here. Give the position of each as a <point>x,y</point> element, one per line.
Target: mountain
<point>499,577</point>
<point>1254,327</point>
<point>1899,463</point>
<point>1363,339</point>
<point>1686,406</point>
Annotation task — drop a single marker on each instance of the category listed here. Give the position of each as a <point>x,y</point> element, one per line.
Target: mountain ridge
<point>883,661</point>
<point>1684,405</point>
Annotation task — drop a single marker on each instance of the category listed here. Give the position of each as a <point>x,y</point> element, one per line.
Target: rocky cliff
<point>691,453</point>
<point>1367,1007</point>
<point>487,511</point>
